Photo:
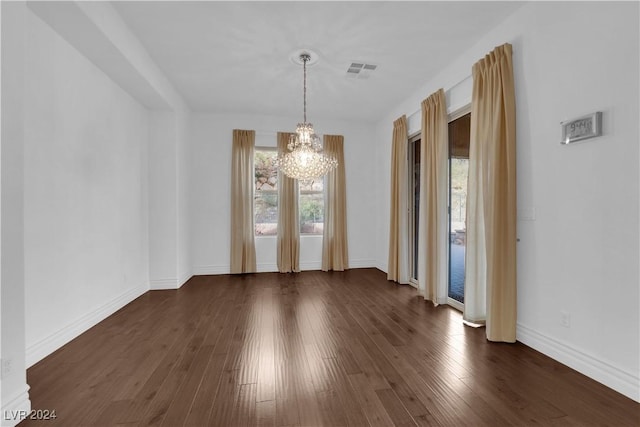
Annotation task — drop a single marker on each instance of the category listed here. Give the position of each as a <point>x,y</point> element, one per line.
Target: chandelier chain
<point>304,58</point>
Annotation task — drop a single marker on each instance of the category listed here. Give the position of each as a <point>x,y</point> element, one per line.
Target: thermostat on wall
<point>581,128</point>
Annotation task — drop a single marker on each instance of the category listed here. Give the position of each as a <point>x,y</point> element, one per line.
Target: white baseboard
<point>206,270</point>
<point>46,346</point>
<point>215,270</point>
<point>310,265</point>
<point>16,408</point>
<point>267,267</point>
<point>163,284</point>
<point>184,278</point>
<point>618,379</point>
<point>362,263</point>
<point>270,267</point>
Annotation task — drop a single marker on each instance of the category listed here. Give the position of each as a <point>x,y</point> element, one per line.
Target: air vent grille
<point>360,70</point>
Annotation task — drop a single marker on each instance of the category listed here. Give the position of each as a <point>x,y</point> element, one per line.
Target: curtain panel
<point>334,243</point>
<point>397,266</point>
<point>243,251</point>
<point>490,287</point>
<point>288,252</point>
<point>433,218</point>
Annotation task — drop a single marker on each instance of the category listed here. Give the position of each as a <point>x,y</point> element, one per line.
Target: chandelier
<point>305,159</point>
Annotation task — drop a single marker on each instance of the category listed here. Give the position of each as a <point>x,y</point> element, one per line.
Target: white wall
<point>163,232</point>
<point>183,198</point>
<point>85,193</point>
<point>169,225</point>
<point>14,395</point>
<point>211,136</point>
<point>580,254</point>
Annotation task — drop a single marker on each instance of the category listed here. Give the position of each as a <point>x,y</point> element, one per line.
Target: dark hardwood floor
<point>307,349</point>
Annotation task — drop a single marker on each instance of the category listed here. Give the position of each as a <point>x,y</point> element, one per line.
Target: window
<point>265,199</point>
<point>311,206</point>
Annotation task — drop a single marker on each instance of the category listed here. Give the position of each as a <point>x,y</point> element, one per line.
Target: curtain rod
<point>446,91</point>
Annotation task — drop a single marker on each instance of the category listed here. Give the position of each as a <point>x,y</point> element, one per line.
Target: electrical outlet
<point>565,319</point>
<point>7,367</point>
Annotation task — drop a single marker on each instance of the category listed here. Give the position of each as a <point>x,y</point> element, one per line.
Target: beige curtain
<point>243,250</point>
<point>397,266</point>
<point>490,286</point>
<point>334,242</point>
<point>433,220</point>
<point>288,253</point>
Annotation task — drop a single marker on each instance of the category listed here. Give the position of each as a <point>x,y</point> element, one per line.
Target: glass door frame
<point>450,118</point>
<point>411,214</point>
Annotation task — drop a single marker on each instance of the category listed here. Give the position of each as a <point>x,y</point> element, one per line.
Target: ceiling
<point>234,57</point>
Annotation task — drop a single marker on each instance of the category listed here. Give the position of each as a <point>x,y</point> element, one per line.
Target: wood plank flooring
<point>309,349</point>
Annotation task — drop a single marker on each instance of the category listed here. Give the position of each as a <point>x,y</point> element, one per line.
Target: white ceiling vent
<point>360,70</point>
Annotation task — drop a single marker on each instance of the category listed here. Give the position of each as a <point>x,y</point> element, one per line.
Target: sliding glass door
<point>414,206</point>
<point>459,132</point>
